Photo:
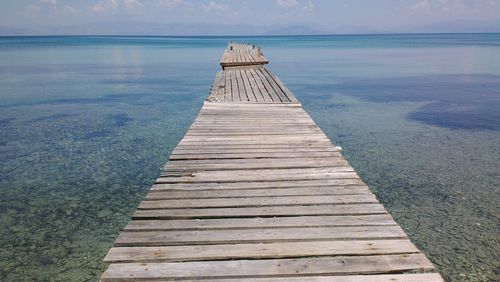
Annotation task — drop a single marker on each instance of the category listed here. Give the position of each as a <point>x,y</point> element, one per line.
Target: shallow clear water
<point>86,122</point>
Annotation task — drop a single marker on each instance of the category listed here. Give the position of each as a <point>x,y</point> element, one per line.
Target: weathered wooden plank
<point>266,116</point>
<point>261,123</point>
<point>292,159</point>
<point>252,96</point>
<point>270,79</point>
<point>249,175</point>
<point>250,134</point>
<point>324,160</point>
<point>260,106</point>
<point>274,171</point>
<point>253,86</point>
<point>405,277</point>
<point>298,146</point>
<point>256,173</point>
<point>234,88</point>
<point>211,117</point>
<point>271,211</point>
<point>236,236</point>
<point>258,201</point>
<point>279,137</point>
<point>273,163</point>
<point>258,184</point>
<point>268,88</point>
<point>279,148</point>
<point>259,251</point>
<point>296,140</point>
<point>221,150</point>
<point>282,87</point>
<point>205,194</point>
<point>253,155</point>
<point>268,222</point>
<point>226,126</point>
<point>264,128</point>
<point>280,164</point>
<point>256,139</point>
<point>265,95</point>
<point>243,94</point>
<point>254,113</point>
<point>191,178</point>
<point>270,268</point>
<point>196,129</point>
<point>217,87</point>
<point>249,112</point>
<point>227,87</point>
<point>307,160</point>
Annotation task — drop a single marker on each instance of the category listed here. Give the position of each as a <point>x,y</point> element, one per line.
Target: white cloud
<point>309,7</point>
<point>132,4</point>
<point>169,3</point>
<point>213,6</point>
<point>51,2</point>
<point>110,5</point>
<point>67,9</point>
<point>454,6</point>
<point>420,5</point>
<point>287,3</point>
<point>51,6</point>
<point>105,6</point>
<point>32,10</point>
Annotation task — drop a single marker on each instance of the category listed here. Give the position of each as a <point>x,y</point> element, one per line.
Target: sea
<point>87,122</point>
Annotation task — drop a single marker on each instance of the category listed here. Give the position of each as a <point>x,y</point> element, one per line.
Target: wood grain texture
<point>406,277</point>
<point>260,251</point>
<point>268,268</point>
<point>272,211</point>
<point>240,55</point>
<point>262,222</point>
<point>250,85</point>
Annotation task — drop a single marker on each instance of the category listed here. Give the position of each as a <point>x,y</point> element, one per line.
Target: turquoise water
<point>86,123</point>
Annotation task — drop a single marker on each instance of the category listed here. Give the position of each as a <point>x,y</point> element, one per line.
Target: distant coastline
<point>131,28</point>
<point>252,36</point>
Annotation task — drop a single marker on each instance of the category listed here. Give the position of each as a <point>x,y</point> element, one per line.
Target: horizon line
<point>255,35</point>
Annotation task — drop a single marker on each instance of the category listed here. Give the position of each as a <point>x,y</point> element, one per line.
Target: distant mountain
<point>143,28</point>
<point>463,26</point>
<point>200,29</point>
<point>172,29</point>
<point>294,30</point>
<point>11,31</point>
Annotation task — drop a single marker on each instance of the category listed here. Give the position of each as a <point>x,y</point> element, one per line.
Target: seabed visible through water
<point>86,123</point>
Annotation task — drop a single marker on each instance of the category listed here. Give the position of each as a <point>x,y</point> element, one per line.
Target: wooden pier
<point>240,55</point>
<point>255,191</point>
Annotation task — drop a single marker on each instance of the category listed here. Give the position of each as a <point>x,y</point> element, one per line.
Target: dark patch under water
<point>6,121</point>
<point>51,117</point>
<point>455,101</point>
<point>120,119</point>
<point>97,134</point>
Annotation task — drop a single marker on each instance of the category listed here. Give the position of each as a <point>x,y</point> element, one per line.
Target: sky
<point>314,16</point>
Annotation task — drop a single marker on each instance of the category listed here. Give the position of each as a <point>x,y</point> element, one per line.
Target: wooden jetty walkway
<point>239,55</point>
<point>255,191</point>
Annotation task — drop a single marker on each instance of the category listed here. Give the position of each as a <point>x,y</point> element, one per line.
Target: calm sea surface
<point>86,123</point>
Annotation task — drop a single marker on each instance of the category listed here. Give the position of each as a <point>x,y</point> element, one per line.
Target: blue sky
<point>333,16</point>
